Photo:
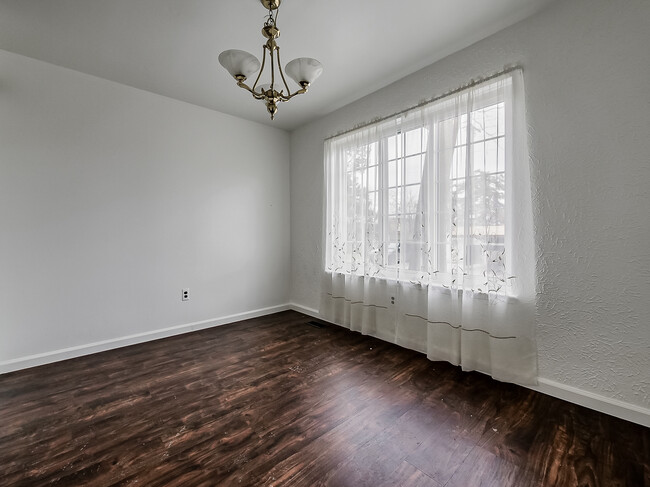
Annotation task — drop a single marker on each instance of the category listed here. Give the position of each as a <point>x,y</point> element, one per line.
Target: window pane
<point>478,158</point>
<point>411,198</point>
<point>373,154</point>
<point>501,112</point>
<point>459,159</point>
<point>349,160</point>
<point>350,187</point>
<point>447,133</point>
<point>501,156</point>
<point>462,130</point>
<point>408,229</point>
<point>491,156</point>
<point>372,178</point>
<point>394,200</point>
<point>478,124</point>
<point>372,207</point>
<point>413,142</point>
<point>491,128</point>
<point>393,228</point>
<point>395,173</point>
<point>360,158</point>
<point>413,169</point>
<point>394,146</point>
<point>359,203</point>
<point>355,183</point>
<point>425,139</point>
<point>391,254</point>
<point>475,259</point>
<point>457,197</point>
<point>359,229</point>
<point>497,198</point>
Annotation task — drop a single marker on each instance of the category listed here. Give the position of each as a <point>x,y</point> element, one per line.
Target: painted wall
<point>113,199</point>
<point>588,101</point>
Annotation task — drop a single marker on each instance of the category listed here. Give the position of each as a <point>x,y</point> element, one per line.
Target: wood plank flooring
<point>276,402</point>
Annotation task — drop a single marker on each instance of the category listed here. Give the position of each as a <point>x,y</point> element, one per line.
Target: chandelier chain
<point>271,21</point>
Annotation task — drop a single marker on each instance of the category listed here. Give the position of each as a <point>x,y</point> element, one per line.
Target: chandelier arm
<point>255,94</point>
<point>299,92</point>
<point>261,69</point>
<point>281,73</point>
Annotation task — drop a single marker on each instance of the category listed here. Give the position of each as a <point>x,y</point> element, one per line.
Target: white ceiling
<point>170,47</point>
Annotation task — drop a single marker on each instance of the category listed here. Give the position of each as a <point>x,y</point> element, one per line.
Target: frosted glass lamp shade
<point>239,63</point>
<point>304,70</point>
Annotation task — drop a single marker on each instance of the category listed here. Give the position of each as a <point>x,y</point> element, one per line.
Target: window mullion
<point>382,193</point>
<point>433,228</point>
<point>467,211</point>
<point>402,198</point>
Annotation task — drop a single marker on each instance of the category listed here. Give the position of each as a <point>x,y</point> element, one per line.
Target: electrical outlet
<point>185,294</point>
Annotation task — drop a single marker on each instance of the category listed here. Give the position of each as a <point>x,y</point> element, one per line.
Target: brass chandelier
<point>241,65</point>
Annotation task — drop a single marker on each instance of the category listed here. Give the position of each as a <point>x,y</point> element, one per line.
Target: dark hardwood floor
<point>273,402</point>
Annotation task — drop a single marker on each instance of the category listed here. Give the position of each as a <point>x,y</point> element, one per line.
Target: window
<point>424,197</point>
<point>429,238</point>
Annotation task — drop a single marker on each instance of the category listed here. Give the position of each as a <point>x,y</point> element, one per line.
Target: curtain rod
<point>428,101</point>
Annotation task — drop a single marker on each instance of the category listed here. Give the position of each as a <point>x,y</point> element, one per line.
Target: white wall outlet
<point>185,294</point>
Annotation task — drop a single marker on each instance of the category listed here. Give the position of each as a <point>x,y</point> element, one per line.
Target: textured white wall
<point>113,199</point>
<point>588,100</point>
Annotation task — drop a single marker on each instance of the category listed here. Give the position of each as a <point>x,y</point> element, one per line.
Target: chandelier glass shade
<point>241,65</point>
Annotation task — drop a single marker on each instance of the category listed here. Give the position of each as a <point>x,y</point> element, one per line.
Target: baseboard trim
<point>305,310</point>
<point>597,402</point>
<point>603,404</point>
<point>104,345</point>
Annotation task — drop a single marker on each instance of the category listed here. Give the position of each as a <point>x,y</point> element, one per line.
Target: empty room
<point>347,243</point>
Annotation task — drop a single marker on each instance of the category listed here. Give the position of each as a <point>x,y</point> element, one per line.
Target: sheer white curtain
<point>429,233</point>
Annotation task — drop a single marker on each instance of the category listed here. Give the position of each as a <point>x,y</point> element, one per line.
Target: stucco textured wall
<point>588,106</point>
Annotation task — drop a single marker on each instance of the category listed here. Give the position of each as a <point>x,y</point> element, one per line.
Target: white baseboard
<point>603,404</point>
<point>304,310</point>
<point>101,346</point>
<point>613,407</point>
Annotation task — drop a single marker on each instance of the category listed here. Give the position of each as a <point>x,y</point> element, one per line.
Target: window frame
<point>429,162</point>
